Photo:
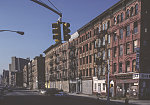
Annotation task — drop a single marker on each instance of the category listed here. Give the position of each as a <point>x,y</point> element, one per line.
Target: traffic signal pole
<point>57,26</point>
<point>46,6</point>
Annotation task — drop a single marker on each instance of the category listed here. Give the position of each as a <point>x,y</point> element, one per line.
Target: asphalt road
<point>33,98</point>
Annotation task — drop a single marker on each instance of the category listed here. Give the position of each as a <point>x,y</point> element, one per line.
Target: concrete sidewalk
<point>135,102</point>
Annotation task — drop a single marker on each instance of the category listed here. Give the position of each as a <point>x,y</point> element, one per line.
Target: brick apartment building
<point>56,73</point>
<point>117,41</point>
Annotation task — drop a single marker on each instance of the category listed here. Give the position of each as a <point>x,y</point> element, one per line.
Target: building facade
<point>115,43</point>
<point>16,71</point>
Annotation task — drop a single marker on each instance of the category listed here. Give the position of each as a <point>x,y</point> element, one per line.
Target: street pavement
<point>29,97</point>
<point>25,97</point>
<point>134,102</point>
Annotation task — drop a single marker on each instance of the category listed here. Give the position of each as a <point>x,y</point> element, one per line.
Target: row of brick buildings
<point>116,41</point>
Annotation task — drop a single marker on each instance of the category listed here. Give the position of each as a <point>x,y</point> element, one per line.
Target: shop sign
<point>141,76</point>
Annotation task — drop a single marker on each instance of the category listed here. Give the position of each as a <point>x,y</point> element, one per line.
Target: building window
<point>80,50</point>
<point>115,36</point>
<point>121,33</point>
<point>115,68</point>
<point>136,9</point>
<point>83,60</point>
<point>86,47</point>
<point>120,50</point>
<point>90,72</point>
<point>118,19</point>
<point>94,57</point>
<point>127,30</point>
<point>103,41</point>
<point>80,61</point>
<point>94,71</point>
<point>135,30</point>
<point>115,51</point>
<point>103,70</point>
<point>128,48</point>
<point>104,55</point>
<point>131,11</point>
<point>95,44</point>
<point>86,59</point>
<point>115,20</point>
<point>108,24</point>
<point>127,66</point>
<point>127,14</point>
<point>86,72</point>
<point>90,46</point>
<point>108,53</point>
<point>90,58</point>
<point>134,65</point>
<point>104,86</point>
<point>122,17</point>
<point>135,43</point>
<point>108,39</point>
<point>120,67</point>
<point>103,26</point>
<point>83,72</point>
<point>83,49</point>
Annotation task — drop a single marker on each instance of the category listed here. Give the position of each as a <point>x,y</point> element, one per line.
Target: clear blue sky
<point>35,21</point>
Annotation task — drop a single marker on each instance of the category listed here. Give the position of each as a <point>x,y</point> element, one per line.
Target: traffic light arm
<point>46,6</point>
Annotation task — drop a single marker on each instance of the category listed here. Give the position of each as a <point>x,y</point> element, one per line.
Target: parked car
<point>61,94</point>
<point>51,91</point>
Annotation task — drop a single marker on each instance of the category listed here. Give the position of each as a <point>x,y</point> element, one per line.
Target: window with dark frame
<point>115,20</point>
<point>115,36</point>
<point>131,11</point>
<point>127,30</point>
<point>90,72</point>
<point>86,59</point>
<point>122,17</point>
<point>118,19</point>
<point>115,51</point>
<point>127,14</point>
<point>90,58</point>
<point>120,50</point>
<point>134,65</point>
<point>115,67</point>
<point>135,43</point>
<point>127,66</point>
<point>86,72</point>
<point>128,48</point>
<point>136,9</point>
<point>135,30</point>
<point>121,33</point>
<point>120,67</point>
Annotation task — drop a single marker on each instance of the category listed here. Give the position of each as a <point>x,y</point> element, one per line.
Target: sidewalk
<point>135,102</point>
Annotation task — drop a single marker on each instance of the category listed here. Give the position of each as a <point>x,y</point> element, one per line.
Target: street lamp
<point>19,32</point>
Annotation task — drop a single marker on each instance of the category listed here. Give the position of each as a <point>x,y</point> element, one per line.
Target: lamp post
<point>19,32</point>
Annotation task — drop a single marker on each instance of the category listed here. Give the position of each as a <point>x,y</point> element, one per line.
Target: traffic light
<point>66,31</point>
<point>56,31</point>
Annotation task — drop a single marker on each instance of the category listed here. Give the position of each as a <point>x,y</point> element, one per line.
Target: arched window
<point>121,17</point>
<point>118,19</point>
<point>134,65</point>
<point>127,14</point>
<point>131,11</point>
<point>115,21</point>
<point>136,9</point>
